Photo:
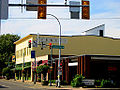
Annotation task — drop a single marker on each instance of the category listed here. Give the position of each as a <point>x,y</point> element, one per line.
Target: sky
<point>101,12</point>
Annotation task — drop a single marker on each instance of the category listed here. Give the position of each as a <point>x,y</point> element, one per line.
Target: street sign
<point>29,8</point>
<point>60,73</point>
<point>74,11</point>
<point>32,54</point>
<point>34,43</point>
<point>57,47</point>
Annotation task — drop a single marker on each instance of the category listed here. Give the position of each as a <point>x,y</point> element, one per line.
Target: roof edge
<point>22,39</point>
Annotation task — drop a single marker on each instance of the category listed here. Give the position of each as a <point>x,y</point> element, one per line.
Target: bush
<point>97,82</point>
<point>39,79</point>
<point>64,82</point>
<point>29,78</point>
<point>107,84</point>
<point>52,81</point>
<point>45,82</point>
<point>77,81</point>
<point>6,72</point>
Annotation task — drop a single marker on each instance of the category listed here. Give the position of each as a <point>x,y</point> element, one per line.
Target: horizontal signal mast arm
<point>36,5</point>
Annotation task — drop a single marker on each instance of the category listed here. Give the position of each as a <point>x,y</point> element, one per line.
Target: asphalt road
<point>9,85</point>
<point>18,85</point>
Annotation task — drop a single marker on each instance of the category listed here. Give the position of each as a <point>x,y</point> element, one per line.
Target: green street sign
<point>57,47</point>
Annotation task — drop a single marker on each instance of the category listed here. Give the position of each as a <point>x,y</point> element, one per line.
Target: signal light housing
<point>50,45</point>
<point>85,10</point>
<point>42,9</point>
<point>29,44</point>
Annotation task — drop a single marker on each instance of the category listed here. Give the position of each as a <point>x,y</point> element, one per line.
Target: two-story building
<point>87,55</point>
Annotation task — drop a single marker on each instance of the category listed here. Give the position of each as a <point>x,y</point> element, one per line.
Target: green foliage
<point>107,84</point>
<point>97,82</point>
<point>45,82</point>
<point>29,78</point>
<point>64,82</point>
<point>39,79</point>
<point>77,81</point>
<point>7,49</point>
<point>6,72</point>
<point>52,81</point>
<point>42,69</point>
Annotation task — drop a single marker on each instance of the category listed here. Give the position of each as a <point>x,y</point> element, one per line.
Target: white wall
<point>94,31</point>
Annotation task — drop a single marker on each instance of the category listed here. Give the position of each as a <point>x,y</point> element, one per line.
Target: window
<point>101,33</point>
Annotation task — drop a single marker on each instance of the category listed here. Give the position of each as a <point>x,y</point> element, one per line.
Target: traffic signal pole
<point>59,49</point>
<point>35,71</point>
<point>51,65</point>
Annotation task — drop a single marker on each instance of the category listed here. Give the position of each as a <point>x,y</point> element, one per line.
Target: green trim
<point>19,66</point>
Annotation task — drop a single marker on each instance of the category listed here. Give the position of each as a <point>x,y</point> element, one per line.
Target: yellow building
<point>73,45</point>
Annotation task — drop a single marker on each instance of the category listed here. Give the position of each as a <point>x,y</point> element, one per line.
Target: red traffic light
<point>50,45</point>
<point>29,41</point>
<point>29,44</point>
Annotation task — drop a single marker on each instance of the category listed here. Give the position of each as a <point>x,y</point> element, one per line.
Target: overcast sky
<point>101,11</point>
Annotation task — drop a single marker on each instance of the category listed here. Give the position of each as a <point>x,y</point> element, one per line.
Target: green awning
<point>27,67</point>
<point>20,68</point>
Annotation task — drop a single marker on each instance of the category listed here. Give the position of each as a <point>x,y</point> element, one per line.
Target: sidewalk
<point>66,87</point>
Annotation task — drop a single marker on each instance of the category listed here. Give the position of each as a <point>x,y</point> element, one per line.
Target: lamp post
<point>59,49</point>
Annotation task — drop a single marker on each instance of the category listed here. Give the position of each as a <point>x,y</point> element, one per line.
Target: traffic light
<point>42,9</point>
<point>85,10</point>
<point>50,45</point>
<point>29,44</point>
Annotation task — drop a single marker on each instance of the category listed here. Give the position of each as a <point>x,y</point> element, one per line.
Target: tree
<point>7,49</point>
<point>6,72</point>
<point>43,69</point>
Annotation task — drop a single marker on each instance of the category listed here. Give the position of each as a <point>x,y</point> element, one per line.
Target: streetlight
<point>59,49</point>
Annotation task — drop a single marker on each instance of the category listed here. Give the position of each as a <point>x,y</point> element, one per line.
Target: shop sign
<point>51,40</point>
<point>89,82</point>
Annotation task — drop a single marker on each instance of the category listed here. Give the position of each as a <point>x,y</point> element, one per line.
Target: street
<point>10,85</point>
<point>18,85</point>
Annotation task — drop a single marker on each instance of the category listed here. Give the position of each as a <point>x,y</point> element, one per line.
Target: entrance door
<point>72,72</point>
